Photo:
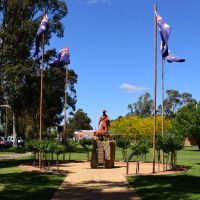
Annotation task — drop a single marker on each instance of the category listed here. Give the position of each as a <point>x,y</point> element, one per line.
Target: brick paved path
<point>83,183</point>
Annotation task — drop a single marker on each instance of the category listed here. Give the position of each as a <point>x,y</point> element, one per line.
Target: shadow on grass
<point>13,163</point>
<point>172,187</point>
<point>192,150</point>
<point>28,185</point>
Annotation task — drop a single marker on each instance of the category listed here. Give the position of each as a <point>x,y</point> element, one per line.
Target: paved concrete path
<point>84,183</point>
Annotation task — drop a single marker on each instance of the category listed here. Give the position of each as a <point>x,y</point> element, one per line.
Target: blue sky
<point>111,48</point>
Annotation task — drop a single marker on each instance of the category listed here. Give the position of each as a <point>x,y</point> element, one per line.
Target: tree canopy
<point>20,72</point>
<point>143,107</point>
<point>174,101</point>
<point>79,121</point>
<point>136,127</point>
<point>187,121</point>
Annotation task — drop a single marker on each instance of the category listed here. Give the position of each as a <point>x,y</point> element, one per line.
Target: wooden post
<point>127,167</point>
<point>162,96</point>
<point>65,107</point>
<point>163,107</point>
<point>155,84</point>
<point>41,97</point>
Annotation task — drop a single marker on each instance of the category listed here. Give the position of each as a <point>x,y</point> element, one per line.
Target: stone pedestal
<point>103,154</point>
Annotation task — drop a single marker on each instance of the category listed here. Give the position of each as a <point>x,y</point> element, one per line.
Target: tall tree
<point>79,121</point>
<point>19,71</point>
<point>130,107</point>
<point>187,98</point>
<point>143,107</point>
<point>54,83</point>
<point>174,102</point>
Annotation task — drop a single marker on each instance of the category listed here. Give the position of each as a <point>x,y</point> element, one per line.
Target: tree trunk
<point>198,142</point>
<point>88,155</point>
<point>51,156</point>
<point>123,154</point>
<point>94,162</point>
<point>14,132</point>
<point>57,163</point>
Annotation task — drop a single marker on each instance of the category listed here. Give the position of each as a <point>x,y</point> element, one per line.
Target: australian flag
<point>165,31</point>
<point>172,58</point>
<point>42,29</point>
<point>62,58</point>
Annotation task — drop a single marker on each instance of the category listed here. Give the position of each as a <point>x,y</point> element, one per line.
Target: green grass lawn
<point>182,186</point>
<point>16,184</point>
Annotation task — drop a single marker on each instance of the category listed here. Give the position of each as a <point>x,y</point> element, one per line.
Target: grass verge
<point>16,184</point>
<point>182,186</point>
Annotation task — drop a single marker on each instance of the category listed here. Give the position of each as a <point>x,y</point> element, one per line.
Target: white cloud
<point>92,2</point>
<point>131,88</point>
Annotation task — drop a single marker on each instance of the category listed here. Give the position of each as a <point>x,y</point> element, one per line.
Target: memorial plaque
<point>101,149</point>
<point>107,150</point>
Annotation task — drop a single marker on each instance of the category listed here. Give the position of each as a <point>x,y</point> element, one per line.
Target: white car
<point>19,141</point>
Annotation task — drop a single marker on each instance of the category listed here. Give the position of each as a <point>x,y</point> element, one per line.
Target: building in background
<point>189,142</point>
<point>78,135</point>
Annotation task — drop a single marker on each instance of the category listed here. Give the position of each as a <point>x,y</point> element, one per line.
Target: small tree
<point>141,147</point>
<point>123,143</point>
<point>171,143</point>
<point>70,146</point>
<point>85,143</point>
<point>159,144</point>
<point>33,146</point>
<point>58,150</point>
